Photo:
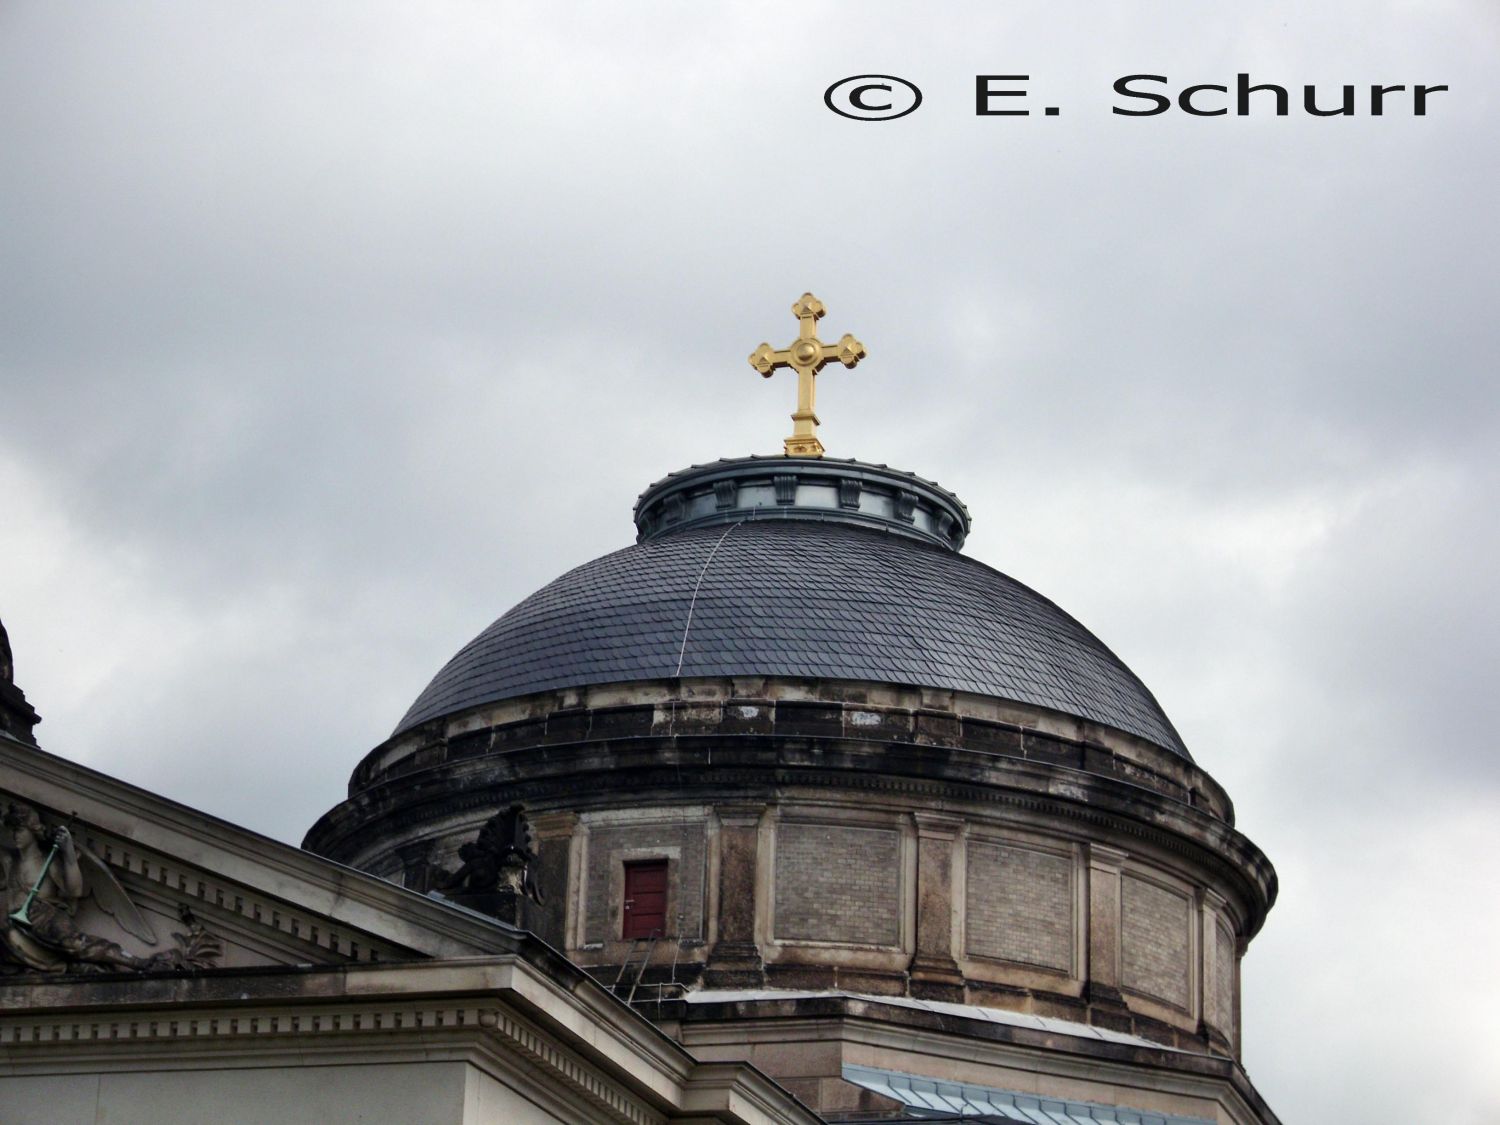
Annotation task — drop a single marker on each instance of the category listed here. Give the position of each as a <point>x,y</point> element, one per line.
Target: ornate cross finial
<point>806,357</point>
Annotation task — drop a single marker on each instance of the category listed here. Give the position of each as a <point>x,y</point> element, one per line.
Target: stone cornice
<point>595,1045</point>
<point>760,768</point>
<point>694,705</point>
<point>1123,1066</point>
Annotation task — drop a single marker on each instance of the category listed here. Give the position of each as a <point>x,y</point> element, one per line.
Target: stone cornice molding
<point>937,826</point>
<point>739,816</point>
<point>595,1045</point>
<point>1106,858</point>
<point>739,1092</point>
<point>496,726</point>
<point>977,1041</point>
<point>769,767</point>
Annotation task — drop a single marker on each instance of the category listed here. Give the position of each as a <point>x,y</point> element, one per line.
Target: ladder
<point>642,948</point>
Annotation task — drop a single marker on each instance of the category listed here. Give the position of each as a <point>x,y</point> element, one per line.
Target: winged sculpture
<point>47,878</point>
<point>501,858</point>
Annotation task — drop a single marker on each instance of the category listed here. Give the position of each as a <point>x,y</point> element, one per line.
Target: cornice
<point>584,1037</point>
<point>765,768</point>
<point>894,708</point>
<point>982,1042</point>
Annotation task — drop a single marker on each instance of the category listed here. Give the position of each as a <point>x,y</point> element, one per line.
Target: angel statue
<point>45,876</point>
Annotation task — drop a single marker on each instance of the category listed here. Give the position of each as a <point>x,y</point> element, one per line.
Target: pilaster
<point>1103,987</point>
<point>934,971</point>
<point>557,858</point>
<point>735,960</point>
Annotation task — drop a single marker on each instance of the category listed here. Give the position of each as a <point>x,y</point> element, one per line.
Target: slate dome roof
<point>795,589</point>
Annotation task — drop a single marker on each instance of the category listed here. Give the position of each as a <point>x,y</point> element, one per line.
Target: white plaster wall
<point>305,1095</point>
<point>488,1101</point>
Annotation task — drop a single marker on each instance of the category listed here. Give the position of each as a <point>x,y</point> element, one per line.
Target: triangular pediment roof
<point>268,902</point>
<point>321,963</point>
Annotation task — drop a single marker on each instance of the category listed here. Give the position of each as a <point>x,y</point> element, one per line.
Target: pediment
<point>145,884</point>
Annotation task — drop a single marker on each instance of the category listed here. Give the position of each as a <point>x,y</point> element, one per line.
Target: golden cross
<point>806,357</point>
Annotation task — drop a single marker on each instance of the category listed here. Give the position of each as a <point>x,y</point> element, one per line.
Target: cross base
<point>799,445</point>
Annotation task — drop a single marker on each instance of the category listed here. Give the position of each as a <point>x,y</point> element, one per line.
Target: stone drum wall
<point>837,884</point>
<point>1155,941</point>
<point>1019,905</point>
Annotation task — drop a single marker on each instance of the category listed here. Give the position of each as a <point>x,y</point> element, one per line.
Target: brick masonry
<point>838,884</point>
<point>1154,941</point>
<point>1019,905</point>
<point>609,847</point>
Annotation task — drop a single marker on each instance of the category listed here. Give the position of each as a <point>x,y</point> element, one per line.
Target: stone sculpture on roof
<point>17,717</point>
<point>497,866</point>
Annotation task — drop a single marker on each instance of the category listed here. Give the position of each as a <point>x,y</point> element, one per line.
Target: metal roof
<point>1050,1024</point>
<point>933,1099</point>
<point>782,597</point>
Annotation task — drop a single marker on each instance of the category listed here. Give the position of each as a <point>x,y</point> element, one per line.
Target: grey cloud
<point>326,335</point>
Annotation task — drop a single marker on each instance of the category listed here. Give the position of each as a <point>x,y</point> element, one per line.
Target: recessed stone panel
<point>837,883</point>
<point>1154,940</point>
<point>1019,905</point>
<point>681,844</point>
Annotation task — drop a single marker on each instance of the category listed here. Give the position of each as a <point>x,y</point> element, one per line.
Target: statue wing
<point>111,897</point>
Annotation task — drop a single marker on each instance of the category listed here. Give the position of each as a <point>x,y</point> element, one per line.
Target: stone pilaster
<point>735,960</point>
<point>417,868</point>
<point>934,972</point>
<point>555,876</point>
<point>1215,1023</point>
<point>1103,987</point>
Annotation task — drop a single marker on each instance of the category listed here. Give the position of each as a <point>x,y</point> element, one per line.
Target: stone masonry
<point>1154,941</point>
<point>1019,905</point>
<point>837,884</point>
<point>682,845</point>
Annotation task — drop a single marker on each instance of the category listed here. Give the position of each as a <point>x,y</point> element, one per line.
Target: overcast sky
<point>330,331</point>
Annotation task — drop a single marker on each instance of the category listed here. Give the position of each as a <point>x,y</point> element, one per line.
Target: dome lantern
<point>802,488</point>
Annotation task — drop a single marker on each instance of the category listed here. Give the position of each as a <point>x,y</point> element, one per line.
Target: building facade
<point>889,797</point>
<point>788,812</point>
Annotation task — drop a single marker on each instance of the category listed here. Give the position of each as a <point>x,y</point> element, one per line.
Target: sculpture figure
<point>45,876</point>
<point>499,860</point>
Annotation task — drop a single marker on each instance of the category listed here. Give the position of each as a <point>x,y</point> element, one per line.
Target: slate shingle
<point>798,599</point>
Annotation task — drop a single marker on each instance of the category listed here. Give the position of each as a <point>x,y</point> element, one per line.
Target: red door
<point>645,898</point>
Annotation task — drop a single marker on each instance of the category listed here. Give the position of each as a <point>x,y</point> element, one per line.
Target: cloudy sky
<point>328,332</point>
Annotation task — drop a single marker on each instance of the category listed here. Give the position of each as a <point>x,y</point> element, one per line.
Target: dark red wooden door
<point>645,898</point>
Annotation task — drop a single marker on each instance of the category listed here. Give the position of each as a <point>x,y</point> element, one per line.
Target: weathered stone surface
<point>610,847</point>
<point>1154,940</point>
<point>829,816</point>
<point>934,971</point>
<point>17,717</point>
<point>1224,974</point>
<point>1020,905</point>
<point>836,883</point>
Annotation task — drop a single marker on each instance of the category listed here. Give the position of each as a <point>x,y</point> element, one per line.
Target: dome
<point>797,737</point>
<point>798,568</point>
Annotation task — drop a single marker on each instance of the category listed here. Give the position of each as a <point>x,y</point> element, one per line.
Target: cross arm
<point>767,359</point>
<point>847,351</point>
